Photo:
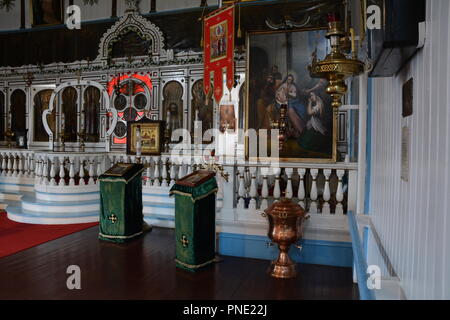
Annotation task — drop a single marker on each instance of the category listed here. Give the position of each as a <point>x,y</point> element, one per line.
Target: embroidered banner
<point>219,50</point>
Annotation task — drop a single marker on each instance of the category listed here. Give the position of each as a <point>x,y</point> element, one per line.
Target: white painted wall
<point>413,218</point>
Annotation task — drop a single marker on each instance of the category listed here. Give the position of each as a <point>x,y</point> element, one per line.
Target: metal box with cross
<point>195,220</point>
<point>121,217</point>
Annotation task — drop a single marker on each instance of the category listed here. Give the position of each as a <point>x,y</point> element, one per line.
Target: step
<point>31,203</point>
<point>25,216</point>
<point>163,209</point>
<point>11,195</point>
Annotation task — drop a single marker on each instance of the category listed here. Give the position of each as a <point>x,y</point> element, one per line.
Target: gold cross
<point>184,241</point>
<point>113,218</point>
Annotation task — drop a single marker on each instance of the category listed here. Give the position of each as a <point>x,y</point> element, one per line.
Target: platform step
<point>31,203</point>
<point>16,213</point>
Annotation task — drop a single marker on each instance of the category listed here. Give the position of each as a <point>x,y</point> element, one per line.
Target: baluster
<point>253,190</point>
<point>189,166</point>
<point>62,172</point>
<point>45,171</point>
<point>99,167</point>
<point>52,171</point>
<point>148,178</point>
<point>32,167</point>
<point>276,189</point>
<point>173,173</point>
<point>219,203</point>
<point>82,174</point>
<point>265,189</point>
<point>314,192</point>
<point>156,182</point>
<point>326,192</point>
<point>340,193</point>
<point>38,174</point>
<point>71,171</point>
<point>15,166</point>
<point>181,172</point>
<point>27,163</point>
<point>20,163</point>
<point>241,188</point>
<point>289,194</point>
<point>4,164</point>
<point>164,174</point>
<point>301,188</point>
<point>91,171</point>
<point>10,165</point>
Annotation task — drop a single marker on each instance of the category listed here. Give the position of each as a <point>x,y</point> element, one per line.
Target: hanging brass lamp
<point>336,67</point>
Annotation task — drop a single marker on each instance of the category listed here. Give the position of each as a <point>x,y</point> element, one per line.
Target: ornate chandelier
<point>336,67</point>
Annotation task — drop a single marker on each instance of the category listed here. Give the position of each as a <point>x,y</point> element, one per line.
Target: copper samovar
<point>285,228</point>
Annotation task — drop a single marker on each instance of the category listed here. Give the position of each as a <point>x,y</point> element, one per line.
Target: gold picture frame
<point>332,115</point>
<point>152,135</point>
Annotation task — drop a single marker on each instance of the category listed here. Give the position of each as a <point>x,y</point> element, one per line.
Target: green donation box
<point>195,220</point>
<point>121,215</point>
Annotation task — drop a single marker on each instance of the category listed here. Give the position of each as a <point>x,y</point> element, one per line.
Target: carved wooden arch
<point>87,83</point>
<point>133,21</point>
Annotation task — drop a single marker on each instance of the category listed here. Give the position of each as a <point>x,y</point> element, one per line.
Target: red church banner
<point>219,50</point>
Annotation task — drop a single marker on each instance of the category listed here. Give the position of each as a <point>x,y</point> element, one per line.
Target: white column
<point>253,190</point>
<point>82,182</point>
<point>340,193</point>
<point>45,171</point>
<point>91,171</point>
<point>173,172</point>
<point>4,163</point>
<point>276,188</point>
<point>301,188</point>
<point>10,164</point>
<point>99,166</point>
<point>156,173</point>
<point>15,166</point>
<point>314,192</point>
<point>289,189</point>
<point>265,189</point>
<point>62,173</point>
<point>52,171</point>
<point>164,175</point>
<point>241,188</point>
<point>326,192</point>
<point>72,171</point>
<point>20,164</point>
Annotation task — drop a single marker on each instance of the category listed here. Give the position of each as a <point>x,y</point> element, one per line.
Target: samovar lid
<point>285,208</point>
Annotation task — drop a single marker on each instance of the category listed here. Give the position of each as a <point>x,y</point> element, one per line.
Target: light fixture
<point>336,67</point>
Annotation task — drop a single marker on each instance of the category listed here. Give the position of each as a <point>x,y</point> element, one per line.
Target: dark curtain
<point>69,108</point>
<point>92,110</point>
<point>41,103</point>
<point>18,110</point>
<point>2,116</point>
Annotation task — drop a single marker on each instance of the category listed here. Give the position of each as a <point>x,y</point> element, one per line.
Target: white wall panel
<point>412,218</point>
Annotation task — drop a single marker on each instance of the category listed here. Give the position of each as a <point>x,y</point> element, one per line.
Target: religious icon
<point>202,109</point>
<point>279,77</point>
<point>219,40</point>
<point>151,136</point>
<point>227,118</point>
<point>46,12</point>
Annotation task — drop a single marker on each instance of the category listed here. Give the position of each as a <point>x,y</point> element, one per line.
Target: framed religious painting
<point>152,136</point>
<point>46,12</point>
<point>281,93</point>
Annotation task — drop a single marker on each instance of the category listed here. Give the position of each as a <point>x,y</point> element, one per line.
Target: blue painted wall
<point>313,252</point>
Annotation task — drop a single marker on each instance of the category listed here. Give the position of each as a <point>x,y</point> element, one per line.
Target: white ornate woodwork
<point>133,21</point>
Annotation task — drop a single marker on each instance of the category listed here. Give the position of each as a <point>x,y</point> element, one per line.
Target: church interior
<point>224,150</point>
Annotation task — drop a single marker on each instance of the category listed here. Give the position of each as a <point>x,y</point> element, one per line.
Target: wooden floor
<point>145,269</point>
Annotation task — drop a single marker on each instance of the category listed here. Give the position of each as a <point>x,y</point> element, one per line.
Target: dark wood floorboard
<point>145,269</point>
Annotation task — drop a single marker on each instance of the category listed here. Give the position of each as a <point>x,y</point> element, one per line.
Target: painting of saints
<point>278,75</point>
<point>218,41</point>
<point>46,12</point>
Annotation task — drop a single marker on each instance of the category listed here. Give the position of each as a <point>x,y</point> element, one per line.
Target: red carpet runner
<point>15,237</point>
